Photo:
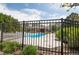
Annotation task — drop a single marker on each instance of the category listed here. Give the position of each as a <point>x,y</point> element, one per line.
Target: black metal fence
<point>51,37</point>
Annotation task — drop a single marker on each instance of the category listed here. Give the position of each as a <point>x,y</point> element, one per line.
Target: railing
<point>51,37</point>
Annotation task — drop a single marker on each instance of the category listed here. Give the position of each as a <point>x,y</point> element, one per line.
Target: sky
<point>36,11</point>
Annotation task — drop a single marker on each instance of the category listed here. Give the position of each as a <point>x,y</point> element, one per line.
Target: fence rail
<point>51,37</point>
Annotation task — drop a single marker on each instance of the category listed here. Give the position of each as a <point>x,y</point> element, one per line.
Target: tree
<point>73,16</point>
<point>71,5</point>
<point>10,24</point>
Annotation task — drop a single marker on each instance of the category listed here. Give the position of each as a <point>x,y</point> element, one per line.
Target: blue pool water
<point>34,35</point>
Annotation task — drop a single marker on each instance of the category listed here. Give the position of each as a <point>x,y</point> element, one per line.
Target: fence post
<point>61,36</point>
<point>23,35</point>
<point>2,28</point>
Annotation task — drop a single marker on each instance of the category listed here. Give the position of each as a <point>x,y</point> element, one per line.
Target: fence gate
<point>51,37</point>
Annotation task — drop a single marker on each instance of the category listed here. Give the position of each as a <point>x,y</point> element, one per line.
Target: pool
<point>34,35</point>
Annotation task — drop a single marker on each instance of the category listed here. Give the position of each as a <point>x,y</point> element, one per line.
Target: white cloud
<point>63,10</point>
<point>31,11</point>
<point>57,16</point>
<point>28,14</point>
<point>20,15</point>
<point>58,9</point>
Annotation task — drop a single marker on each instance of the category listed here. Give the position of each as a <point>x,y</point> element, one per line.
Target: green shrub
<point>10,46</point>
<point>8,50</point>
<point>11,43</point>
<point>0,46</point>
<point>16,44</point>
<point>71,35</point>
<point>29,50</point>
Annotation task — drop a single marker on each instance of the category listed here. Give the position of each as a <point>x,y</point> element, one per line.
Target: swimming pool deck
<point>47,41</point>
